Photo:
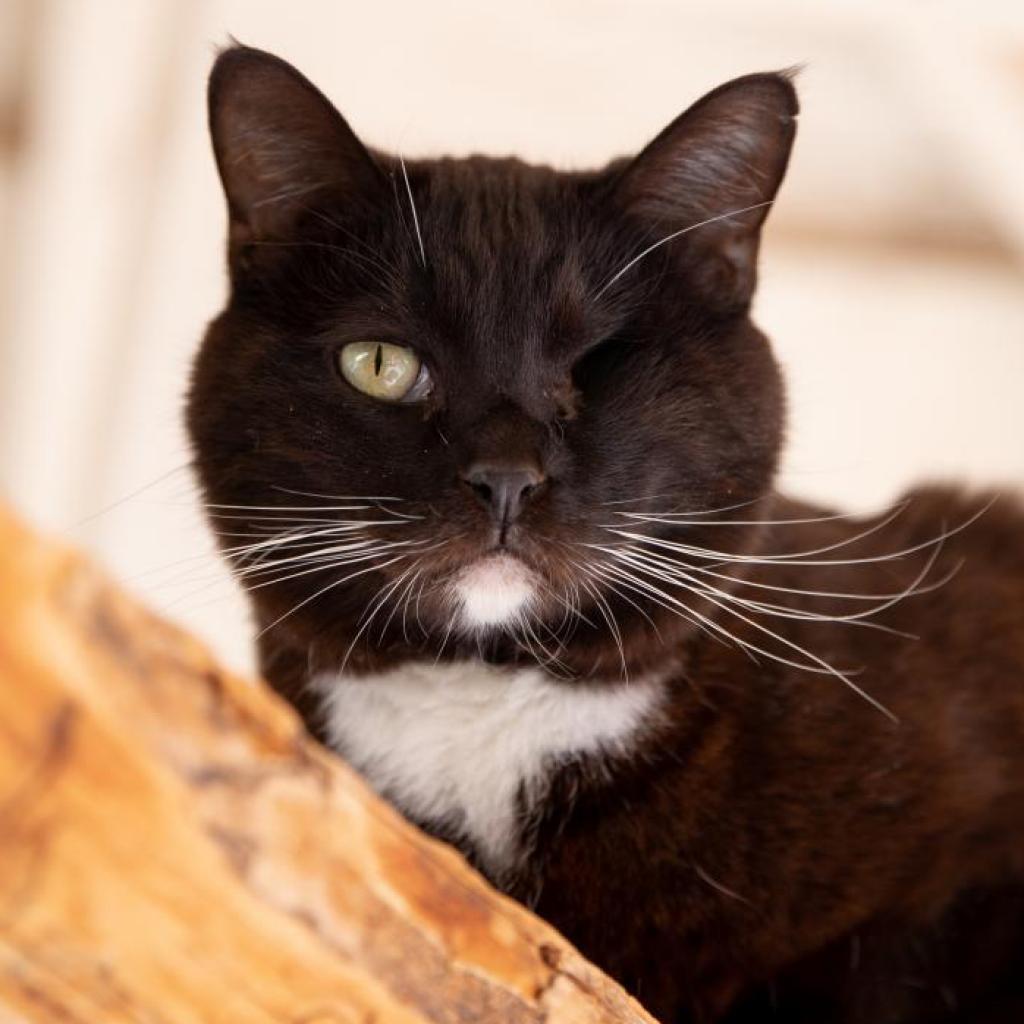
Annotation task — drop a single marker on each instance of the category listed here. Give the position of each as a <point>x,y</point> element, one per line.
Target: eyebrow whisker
<point>415,216</point>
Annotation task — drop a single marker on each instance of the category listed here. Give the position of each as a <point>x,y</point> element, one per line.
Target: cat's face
<point>438,385</point>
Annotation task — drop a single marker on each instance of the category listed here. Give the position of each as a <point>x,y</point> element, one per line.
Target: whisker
<point>311,564</point>
<point>685,611</point>
<point>132,494</point>
<point>798,557</point>
<point>315,558</point>
<point>676,234</point>
<point>379,599</point>
<point>404,600</point>
<point>728,609</point>
<point>415,216</point>
<point>586,572</point>
<point>642,587</point>
<point>796,591</point>
<point>695,512</point>
<point>267,522</point>
<point>570,610</point>
<point>679,519</point>
<point>444,639</point>
<point>327,563</point>
<point>549,659</point>
<point>324,590</point>
<point>244,558</point>
<point>416,607</point>
<point>294,508</point>
<point>854,618</point>
<point>673,566</point>
<point>609,618</point>
<point>787,558</point>
<point>337,497</point>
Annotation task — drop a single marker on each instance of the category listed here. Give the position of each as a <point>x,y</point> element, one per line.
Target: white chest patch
<point>460,743</point>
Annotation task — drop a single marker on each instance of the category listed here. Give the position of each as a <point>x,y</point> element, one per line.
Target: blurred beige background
<point>893,281</point>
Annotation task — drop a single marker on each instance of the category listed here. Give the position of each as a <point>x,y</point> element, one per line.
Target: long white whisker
<point>409,576</point>
<point>317,559</point>
<point>323,590</point>
<point>690,614</point>
<point>692,512</point>
<point>378,600</point>
<point>298,508</point>
<point>327,564</point>
<point>787,558</point>
<point>609,618</point>
<point>251,559</point>
<point>830,669</point>
<point>415,216</point>
<point>853,618</point>
<point>649,591</point>
<point>798,559</point>
<point>885,600</point>
<point>337,497</point>
<point>404,600</point>
<point>681,519</point>
<point>549,659</point>
<point>615,590</point>
<point>676,234</point>
<point>570,610</point>
<point>797,591</point>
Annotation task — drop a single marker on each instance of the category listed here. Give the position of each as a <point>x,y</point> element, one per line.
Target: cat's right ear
<point>710,178</point>
<point>281,146</point>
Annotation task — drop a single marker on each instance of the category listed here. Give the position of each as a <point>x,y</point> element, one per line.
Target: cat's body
<point>723,818</point>
<point>745,753</point>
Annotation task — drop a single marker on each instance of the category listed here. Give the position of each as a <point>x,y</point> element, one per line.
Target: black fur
<point>781,842</point>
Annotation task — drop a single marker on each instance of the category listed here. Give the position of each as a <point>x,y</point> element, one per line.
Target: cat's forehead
<point>505,244</point>
<point>499,214</point>
<point>476,189</point>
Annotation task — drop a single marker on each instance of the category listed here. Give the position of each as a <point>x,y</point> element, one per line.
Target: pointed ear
<point>722,162</point>
<point>280,145</point>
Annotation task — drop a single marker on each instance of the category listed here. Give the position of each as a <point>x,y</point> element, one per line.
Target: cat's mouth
<point>493,591</point>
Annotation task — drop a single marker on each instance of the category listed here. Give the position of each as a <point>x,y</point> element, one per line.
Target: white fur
<point>457,743</point>
<point>493,591</point>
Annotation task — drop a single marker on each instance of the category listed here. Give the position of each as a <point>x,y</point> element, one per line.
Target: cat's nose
<point>503,488</point>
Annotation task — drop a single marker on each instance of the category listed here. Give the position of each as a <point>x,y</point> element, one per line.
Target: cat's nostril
<point>503,488</point>
<point>482,489</point>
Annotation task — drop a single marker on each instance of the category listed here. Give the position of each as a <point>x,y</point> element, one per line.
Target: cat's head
<point>444,391</point>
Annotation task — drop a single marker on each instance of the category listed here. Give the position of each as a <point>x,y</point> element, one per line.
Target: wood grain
<point>174,849</point>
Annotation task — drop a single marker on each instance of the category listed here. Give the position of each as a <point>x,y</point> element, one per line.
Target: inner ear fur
<point>718,165</point>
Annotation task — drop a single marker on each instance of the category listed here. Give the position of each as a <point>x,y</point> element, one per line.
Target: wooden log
<point>175,849</point>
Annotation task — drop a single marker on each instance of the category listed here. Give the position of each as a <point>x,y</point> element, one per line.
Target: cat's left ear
<point>711,177</point>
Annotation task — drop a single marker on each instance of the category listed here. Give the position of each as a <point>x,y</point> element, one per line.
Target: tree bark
<point>175,849</point>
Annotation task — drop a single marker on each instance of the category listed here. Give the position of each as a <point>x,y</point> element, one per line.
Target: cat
<point>492,449</point>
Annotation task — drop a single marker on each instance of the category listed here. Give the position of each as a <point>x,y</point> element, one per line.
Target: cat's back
<point>974,592</point>
<point>957,554</point>
<point>935,637</point>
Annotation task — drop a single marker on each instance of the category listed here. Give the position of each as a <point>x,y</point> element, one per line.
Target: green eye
<point>392,373</point>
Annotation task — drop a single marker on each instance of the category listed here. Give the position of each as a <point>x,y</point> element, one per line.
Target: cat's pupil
<point>378,360</point>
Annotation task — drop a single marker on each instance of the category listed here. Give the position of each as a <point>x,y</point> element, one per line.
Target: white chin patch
<point>493,591</point>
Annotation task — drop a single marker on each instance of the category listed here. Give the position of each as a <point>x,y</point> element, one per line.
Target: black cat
<point>492,449</point>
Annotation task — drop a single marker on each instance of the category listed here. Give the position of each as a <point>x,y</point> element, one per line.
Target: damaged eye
<point>391,373</point>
